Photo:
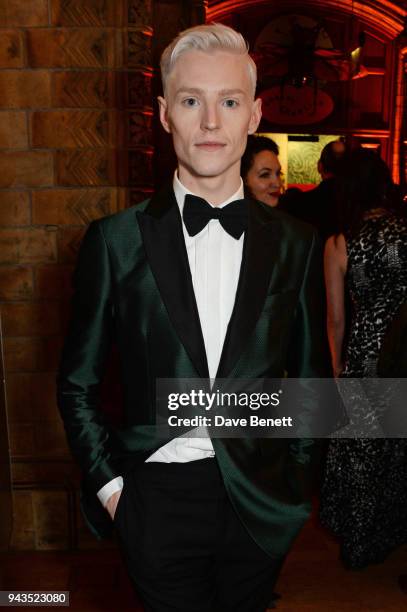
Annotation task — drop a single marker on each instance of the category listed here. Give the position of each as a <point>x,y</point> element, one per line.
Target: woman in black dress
<point>364,495</point>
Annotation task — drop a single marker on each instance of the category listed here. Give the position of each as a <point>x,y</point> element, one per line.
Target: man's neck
<point>214,189</point>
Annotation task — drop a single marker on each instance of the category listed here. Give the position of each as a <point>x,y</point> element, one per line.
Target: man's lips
<point>274,194</point>
<point>210,146</point>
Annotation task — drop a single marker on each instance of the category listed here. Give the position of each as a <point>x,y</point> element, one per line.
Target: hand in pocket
<point>112,503</point>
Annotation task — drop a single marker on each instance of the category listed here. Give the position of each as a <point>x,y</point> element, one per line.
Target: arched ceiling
<point>385,16</point>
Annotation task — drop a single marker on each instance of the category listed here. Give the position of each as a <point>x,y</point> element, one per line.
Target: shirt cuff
<point>109,488</point>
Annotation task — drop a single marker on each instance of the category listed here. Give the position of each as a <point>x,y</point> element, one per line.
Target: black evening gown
<point>364,494</point>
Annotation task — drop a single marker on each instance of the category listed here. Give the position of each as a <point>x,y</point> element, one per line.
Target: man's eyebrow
<point>198,90</point>
<point>188,90</point>
<point>230,92</point>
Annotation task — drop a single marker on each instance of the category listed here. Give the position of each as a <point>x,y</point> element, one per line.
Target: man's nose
<point>210,117</point>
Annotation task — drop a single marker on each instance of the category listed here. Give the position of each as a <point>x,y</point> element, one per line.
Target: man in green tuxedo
<point>196,282</point>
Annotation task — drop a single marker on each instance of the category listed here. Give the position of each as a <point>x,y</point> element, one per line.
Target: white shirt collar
<point>181,191</point>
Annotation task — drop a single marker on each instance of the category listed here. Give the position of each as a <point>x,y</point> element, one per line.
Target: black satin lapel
<point>161,230</point>
<point>255,273</point>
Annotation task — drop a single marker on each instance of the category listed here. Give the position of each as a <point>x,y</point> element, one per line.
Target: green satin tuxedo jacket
<point>134,290</point>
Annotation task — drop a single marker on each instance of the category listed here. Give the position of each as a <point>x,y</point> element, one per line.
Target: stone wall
<point>78,134</point>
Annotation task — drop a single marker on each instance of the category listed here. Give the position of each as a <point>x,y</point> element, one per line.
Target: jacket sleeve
<point>308,359</point>
<point>308,356</point>
<point>84,359</point>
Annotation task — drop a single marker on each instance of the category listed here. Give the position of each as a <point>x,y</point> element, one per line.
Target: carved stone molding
<point>139,90</point>
<point>139,12</point>
<point>139,128</point>
<point>135,98</point>
<point>139,48</point>
<point>79,13</point>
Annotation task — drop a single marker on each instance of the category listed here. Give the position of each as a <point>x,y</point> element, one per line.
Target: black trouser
<point>184,546</point>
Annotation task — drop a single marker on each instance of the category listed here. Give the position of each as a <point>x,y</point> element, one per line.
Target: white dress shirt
<point>214,259</point>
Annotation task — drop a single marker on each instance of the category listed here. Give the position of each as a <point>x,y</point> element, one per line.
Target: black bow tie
<point>197,214</point>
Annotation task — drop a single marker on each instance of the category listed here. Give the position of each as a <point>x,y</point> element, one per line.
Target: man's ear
<point>256,116</point>
<point>162,103</point>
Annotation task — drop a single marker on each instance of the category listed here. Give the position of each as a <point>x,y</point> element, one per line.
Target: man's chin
<point>209,170</point>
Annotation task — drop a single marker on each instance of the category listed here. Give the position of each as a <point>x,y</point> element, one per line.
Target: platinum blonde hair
<point>206,38</point>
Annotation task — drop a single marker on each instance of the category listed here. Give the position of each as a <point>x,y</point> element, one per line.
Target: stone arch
<point>385,17</point>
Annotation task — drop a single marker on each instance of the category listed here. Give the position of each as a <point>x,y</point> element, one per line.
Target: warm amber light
<point>382,15</point>
<point>400,105</point>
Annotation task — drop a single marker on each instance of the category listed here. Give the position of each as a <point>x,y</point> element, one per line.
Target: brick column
<point>77,81</point>
<point>59,139</point>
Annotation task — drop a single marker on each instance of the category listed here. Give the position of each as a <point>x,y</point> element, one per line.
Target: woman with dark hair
<point>364,495</point>
<point>261,170</point>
